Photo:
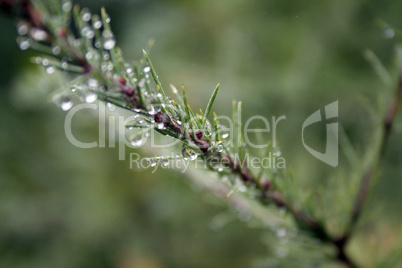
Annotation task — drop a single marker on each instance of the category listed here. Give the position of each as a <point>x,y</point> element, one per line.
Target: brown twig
<point>305,221</point>
<point>367,177</point>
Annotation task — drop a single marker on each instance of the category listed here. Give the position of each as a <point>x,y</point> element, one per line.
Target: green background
<point>62,206</point>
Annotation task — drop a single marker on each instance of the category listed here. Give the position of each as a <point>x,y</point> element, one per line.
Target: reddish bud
<point>198,134</point>
<point>122,80</point>
<point>129,91</point>
<point>63,32</point>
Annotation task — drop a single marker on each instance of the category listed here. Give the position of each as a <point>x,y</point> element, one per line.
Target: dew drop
<point>88,55</point>
<point>389,33</point>
<point>66,7</point>
<point>22,29</point>
<point>281,232</point>
<point>87,16</point>
<point>111,106</point>
<point>193,156</point>
<point>45,62</point>
<point>242,188</point>
<point>91,97</point>
<point>56,50</point>
<point>129,70</point>
<point>97,24</point>
<point>136,139</point>
<point>24,44</point>
<point>108,20</point>
<point>147,69</point>
<point>151,109</point>
<point>225,135</point>
<point>107,34</point>
<point>50,69</point>
<point>165,163</point>
<point>92,83</point>
<point>87,32</point>
<point>109,44</point>
<point>161,126</point>
<point>38,34</point>
<point>64,65</point>
<point>159,95</point>
<point>106,56</point>
<point>66,104</point>
<point>153,163</point>
<point>77,42</point>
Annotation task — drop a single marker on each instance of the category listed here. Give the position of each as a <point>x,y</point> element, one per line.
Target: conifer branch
<point>105,75</point>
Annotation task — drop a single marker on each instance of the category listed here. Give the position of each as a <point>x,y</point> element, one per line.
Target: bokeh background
<point>62,206</point>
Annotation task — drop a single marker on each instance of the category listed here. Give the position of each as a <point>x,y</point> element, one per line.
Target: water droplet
<point>151,109</point>
<point>159,95</point>
<point>129,70</point>
<point>38,34</point>
<point>153,163</point>
<point>161,126</point>
<point>109,44</point>
<point>281,232</point>
<point>66,104</point>
<point>64,65</point>
<point>108,20</point>
<point>88,55</point>
<point>97,24</point>
<point>50,69</point>
<point>136,139</point>
<point>389,33</point>
<point>220,168</point>
<point>91,97</point>
<point>66,7</point>
<point>77,42</point>
<point>25,44</point>
<point>106,56</point>
<point>220,148</point>
<point>22,29</point>
<point>179,122</point>
<point>165,163</point>
<point>243,188</point>
<point>87,32</point>
<point>87,16</point>
<point>282,252</point>
<point>193,156</point>
<point>225,135</point>
<point>56,50</point>
<point>92,83</point>
<point>147,69</point>
<point>45,62</point>
<point>111,106</point>
<point>278,153</point>
<point>107,34</point>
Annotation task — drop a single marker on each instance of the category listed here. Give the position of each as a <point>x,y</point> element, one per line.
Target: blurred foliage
<point>63,206</point>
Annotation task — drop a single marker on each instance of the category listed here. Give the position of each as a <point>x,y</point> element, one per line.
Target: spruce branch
<point>88,50</point>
